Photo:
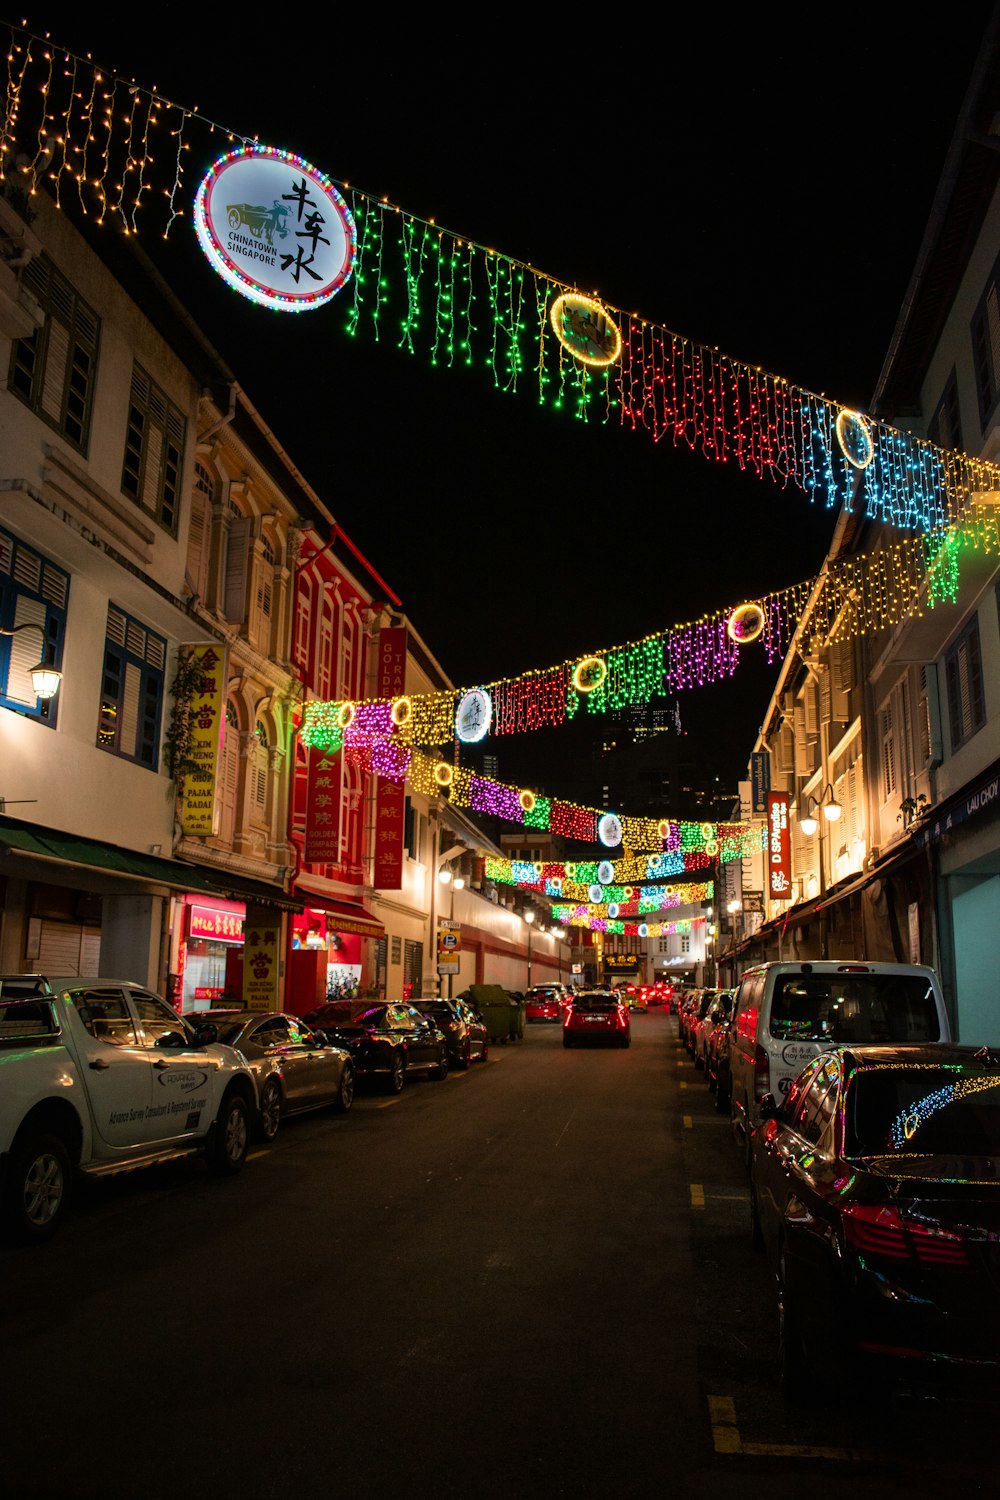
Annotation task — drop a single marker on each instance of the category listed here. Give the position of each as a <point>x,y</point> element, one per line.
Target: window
<point>888,752</point>
<point>413,968</point>
<point>230,776</point>
<point>260,772</point>
<point>200,532</point>
<point>964,675</point>
<point>131,690</point>
<point>986,346</point>
<point>154,450</point>
<point>53,371</point>
<point>32,592</point>
<point>945,426</point>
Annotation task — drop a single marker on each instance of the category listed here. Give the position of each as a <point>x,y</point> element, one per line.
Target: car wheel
<point>792,1366</point>
<point>441,1071</point>
<point>465,1061</point>
<point>37,1188</point>
<point>270,1109</point>
<point>345,1093</point>
<point>227,1149</point>
<point>397,1072</point>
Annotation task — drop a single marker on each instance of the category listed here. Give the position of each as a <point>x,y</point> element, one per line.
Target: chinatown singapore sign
<point>275,228</point>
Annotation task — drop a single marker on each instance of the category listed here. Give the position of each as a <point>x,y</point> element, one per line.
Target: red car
<point>597,1016</point>
<point>544,1002</point>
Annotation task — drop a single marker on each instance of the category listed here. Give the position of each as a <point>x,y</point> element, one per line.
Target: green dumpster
<point>516,1019</point>
<point>493,1004</point>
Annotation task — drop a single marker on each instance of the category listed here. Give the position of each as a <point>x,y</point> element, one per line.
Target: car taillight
<point>875,1229</point>
<point>761,1073</point>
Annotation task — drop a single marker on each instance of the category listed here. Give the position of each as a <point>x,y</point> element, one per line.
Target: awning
<point>347,916</point>
<point>50,846</point>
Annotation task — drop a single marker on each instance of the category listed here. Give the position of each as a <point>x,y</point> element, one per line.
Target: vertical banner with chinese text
<point>390,796</point>
<point>261,938</point>
<point>208,723</point>
<point>779,847</point>
<point>322,836</point>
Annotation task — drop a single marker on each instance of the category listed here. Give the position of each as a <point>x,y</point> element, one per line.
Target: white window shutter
<point>237,569</point>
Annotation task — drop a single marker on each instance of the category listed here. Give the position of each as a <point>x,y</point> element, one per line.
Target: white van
<point>785,1013</point>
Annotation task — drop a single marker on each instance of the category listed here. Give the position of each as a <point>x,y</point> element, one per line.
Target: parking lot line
<point>726,1438</point>
<point>697,1195</point>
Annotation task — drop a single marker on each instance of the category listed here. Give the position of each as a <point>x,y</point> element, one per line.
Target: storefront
<point>209,953</point>
<point>331,955</point>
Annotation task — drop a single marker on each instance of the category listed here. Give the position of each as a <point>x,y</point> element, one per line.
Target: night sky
<point>758,183</point>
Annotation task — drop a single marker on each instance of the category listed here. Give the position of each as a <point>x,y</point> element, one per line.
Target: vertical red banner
<point>322,837</point>
<point>779,847</point>
<point>390,798</point>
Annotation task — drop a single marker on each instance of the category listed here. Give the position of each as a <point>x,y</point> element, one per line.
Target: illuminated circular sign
<point>527,800</point>
<point>590,673</point>
<point>584,329</point>
<point>609,830</point>
<point>345,715</point>
<point>275,228</point>
<point>745,624</point>
<point>595,894</point>
<point>473,716</point>
<point>605,872</point>
<point>855,439</point>
<point>644,929</point>
<point>612,909</point>
<point>401,711</point>
<point>443,773</point>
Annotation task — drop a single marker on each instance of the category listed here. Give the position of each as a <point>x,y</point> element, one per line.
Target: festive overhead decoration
<point>746,623</point>
<point>90,135</point>
<point>609,830</point>
<point>275,228</point>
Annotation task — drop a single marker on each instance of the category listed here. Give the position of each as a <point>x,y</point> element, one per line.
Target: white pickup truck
<point>101,1076</point>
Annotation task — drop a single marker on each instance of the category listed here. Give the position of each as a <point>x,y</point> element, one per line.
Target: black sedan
<point>464,1029</point>
<point>875,1189</point>
<point>386,1041</point>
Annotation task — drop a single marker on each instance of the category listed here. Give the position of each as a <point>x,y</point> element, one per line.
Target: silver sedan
<point>293,1069</point>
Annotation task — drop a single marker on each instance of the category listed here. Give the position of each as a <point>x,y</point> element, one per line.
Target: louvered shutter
<point>237,569</point>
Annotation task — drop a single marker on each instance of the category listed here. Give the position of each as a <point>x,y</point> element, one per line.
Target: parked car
<point>386,1042</point>
<point>100,1076</point>
<point>719,1009</point>
<point>875,1191</point>
<point>464,1029</point>
<point>785,1013</point>
<point>544,1002</point>
<point>294,1068</point>
<point>597,1016</point>
<point>717,1066</point>
<point>694,1016</point>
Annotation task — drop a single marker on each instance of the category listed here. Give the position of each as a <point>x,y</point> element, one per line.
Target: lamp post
<point>529,917</point>
<point>457,883</point>
<point>45,677</point>
<point>827,804</point>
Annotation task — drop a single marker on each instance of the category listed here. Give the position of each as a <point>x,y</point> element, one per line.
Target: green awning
<point>31,840</point>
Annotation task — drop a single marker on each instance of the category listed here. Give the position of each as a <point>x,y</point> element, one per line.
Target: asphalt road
<point>531,1279</point>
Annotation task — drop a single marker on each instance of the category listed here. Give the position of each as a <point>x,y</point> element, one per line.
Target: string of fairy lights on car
<point>283,233</point>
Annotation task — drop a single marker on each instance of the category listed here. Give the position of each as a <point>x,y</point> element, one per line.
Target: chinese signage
<point>275,228</point>
<point>779,847</point>
<point>260,959</point>
<point>322,836</point>
<point>205,750</point>
<point>220,926</point>
<point>760,781</point>
<point>449,949</point>
<point>390,797</point>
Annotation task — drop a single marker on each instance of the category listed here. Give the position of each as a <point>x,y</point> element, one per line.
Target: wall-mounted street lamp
<point>45,678</point>
<point>826,803</point>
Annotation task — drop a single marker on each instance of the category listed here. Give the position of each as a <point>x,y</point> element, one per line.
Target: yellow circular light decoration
<point>855,439</point>
<point>527,800</point>
<point>538,867</point>
<point>443,773</point>
<point>663,828</point>
<point>711,847</point>
<point>401,711</point>
<point>345,715</point>
<point>584,329</point>
<point>745,623</point>
<point>571,871</point>
<point>589,674</point>
<point>707,830</point>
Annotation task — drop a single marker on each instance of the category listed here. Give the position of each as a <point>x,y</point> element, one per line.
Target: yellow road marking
<point>254,1155</point>
<point>726,1438</point>
<point>683,1083</point>
<point>697,1195</point>
<point>387,1104</point>
<point>688,1122</point>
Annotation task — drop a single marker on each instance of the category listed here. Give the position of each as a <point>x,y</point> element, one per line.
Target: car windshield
<point>853,1008</point>
<point>439,1013</point>
<point>351,1017</point>
<point>951,1110</point>
<point>594,1002</point>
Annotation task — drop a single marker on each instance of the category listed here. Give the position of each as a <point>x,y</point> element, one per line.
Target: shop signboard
<point>390,796</point>
<point>260,959</point>
<point>779,848</point>
<point>218,925</point>
<point>322,835</point>
<point>199,814</point>
<point>760,781</point>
